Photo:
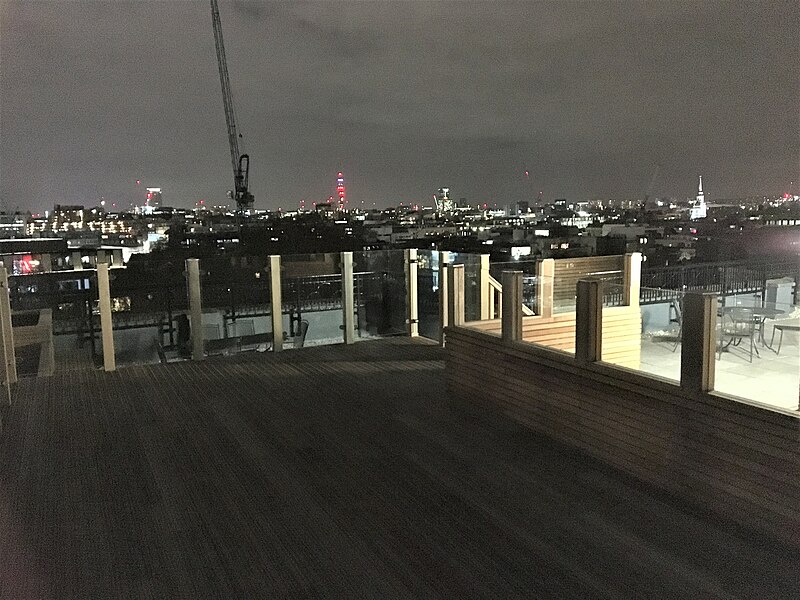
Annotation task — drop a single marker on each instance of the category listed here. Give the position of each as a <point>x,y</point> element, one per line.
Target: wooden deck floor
<point>333,472</point>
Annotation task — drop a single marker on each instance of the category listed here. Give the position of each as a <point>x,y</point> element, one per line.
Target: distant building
<point>13,225</point>
<point>325,209</point>
<point>443,202</point>
<point>153,197</point>
<point>698,210</point>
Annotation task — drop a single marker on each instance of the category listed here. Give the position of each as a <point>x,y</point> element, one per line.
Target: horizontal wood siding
<point>569,270</point>
<point>622,328</point>
<point>733,458</point>
<point>622,336</point>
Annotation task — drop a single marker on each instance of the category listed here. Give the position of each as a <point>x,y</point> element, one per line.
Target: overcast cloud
<point>403,96</point>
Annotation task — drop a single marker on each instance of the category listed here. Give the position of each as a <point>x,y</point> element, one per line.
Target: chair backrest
<point>742,321</point>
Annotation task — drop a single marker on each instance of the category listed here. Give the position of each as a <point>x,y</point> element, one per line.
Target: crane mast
<point>239,162</point>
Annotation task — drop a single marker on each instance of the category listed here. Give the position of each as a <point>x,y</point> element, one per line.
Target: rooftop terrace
<point>336,471</point>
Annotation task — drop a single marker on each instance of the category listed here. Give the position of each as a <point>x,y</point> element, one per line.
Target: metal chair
<point>739,324</point>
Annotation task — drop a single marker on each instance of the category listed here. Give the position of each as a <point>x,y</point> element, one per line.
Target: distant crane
<point>240,162</point>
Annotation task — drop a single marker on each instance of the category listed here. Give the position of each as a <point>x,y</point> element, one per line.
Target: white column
<point>444,320</point>
<point>276,302</point>
<point>347,298</point>
<point>545,273</point>
<point>632,273</point>
<point>106,323</point>
<point>412,298</point>
<point>7,332</point>
<point>77,263</point>
<point>487,293</point>
<point>195,308</point>
<point>512,306</point>
<point>455,287</point>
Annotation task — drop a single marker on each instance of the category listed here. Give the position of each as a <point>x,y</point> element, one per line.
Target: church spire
<point>698,209</point>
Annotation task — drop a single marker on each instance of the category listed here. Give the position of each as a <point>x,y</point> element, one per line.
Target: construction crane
<point>240,162</point>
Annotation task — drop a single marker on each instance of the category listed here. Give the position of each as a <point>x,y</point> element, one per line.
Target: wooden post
<point>486,291</point>
<point>512,306</point>
<point>698,335</point>
<point>632,275</point>
<point>455,285</point>
<point>195,308</point>
<point>106,322</point>
<point>444,318</point>
<point>7,332</point>
<point>545,273</point>
<point>492,308</point>
<point>589,321</point>
<point>412,297</point>
<point>276,302</point>
<point>347,298</point>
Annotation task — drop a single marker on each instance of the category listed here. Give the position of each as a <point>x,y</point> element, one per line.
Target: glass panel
<point>148,308</point>
<point>380,292</point>
<point>55,321</point>
<point>528,267</point>
<point>312,298</point>
<point>530,282</point>
<point>758,348</point>
<point>472,283</point>
<point>652,346</point>
<point>563,301</point>
<point>237,311</point>
<point>530,292</point>
<point>662,326</point>
<point>428,293</point>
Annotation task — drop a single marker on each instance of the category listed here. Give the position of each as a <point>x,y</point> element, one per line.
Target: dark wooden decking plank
<point>332,472</point>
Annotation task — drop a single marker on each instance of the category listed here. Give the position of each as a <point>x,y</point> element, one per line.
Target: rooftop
<point>337,471</point>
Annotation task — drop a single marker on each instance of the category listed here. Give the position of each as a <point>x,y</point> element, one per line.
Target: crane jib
<point>239,162</point>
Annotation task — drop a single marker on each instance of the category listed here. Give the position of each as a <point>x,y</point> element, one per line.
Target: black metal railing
<point>724,278</point>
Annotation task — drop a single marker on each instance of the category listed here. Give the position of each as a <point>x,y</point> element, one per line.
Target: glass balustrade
<point>55,323</point>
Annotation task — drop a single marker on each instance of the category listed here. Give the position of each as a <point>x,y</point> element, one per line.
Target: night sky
<point>405,97</point>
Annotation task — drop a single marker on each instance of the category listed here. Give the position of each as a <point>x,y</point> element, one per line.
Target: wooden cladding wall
<point>622,336</point>
<point>735,459</point>
<point>622,328</point>
<point>569,270</point>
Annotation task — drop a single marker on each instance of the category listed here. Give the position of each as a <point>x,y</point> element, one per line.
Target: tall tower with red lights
<point>340,190</point>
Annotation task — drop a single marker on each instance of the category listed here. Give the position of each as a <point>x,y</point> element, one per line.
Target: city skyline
<point>588,99</point>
